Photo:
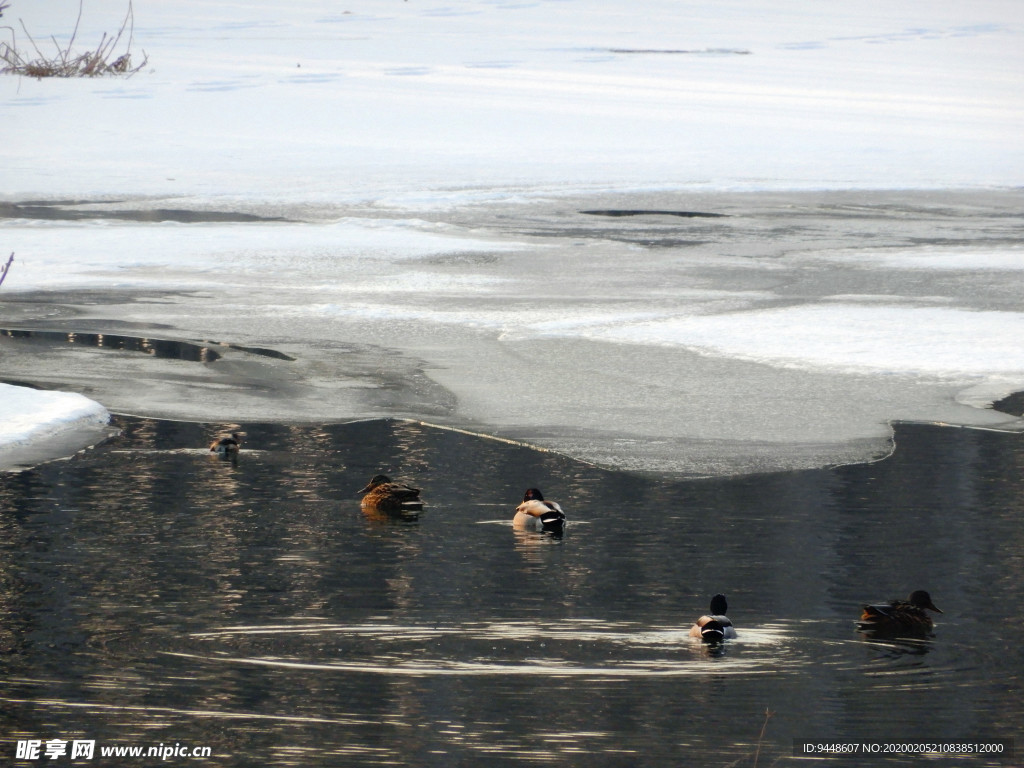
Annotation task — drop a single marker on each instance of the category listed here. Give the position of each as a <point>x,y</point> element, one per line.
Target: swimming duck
<point>539,515</point>
<point>714,626</point>
<point>383,494</point>
<point>900,615</point>
<point>227,444</point>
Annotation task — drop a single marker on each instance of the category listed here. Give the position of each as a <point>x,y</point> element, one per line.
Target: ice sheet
<point>655,342</point>
<point>423,171</point>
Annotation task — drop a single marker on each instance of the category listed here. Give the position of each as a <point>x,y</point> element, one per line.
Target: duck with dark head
<point>714,626</point>
<point>538,514</point>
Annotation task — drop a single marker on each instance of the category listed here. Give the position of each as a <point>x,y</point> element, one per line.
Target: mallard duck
<point>539,515</point>
<point>714,626</point>
<point>900,615</point>
<point>383,494</point>
<point>227,444</point>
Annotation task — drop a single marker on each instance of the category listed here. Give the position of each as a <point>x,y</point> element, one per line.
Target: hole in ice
<point>622,212</point>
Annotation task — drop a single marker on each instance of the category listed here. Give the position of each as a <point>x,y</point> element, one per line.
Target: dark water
<point>153,594</point>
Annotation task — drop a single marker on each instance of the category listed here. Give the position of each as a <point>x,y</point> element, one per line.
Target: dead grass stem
<point>64,62</point>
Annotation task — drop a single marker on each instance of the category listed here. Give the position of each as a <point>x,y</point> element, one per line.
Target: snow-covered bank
<point>37,425</point>
<point>372,98</point>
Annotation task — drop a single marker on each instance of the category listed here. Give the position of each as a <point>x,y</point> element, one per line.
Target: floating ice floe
<point>36,425</point>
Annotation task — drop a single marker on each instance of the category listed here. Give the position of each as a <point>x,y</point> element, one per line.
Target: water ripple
<point>574,648</point>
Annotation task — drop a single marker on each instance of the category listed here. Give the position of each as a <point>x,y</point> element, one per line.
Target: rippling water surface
<point>154,594</point>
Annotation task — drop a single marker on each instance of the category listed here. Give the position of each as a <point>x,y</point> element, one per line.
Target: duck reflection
<point>897,646</point>
<point>382,517</point>
<point>532,545</point>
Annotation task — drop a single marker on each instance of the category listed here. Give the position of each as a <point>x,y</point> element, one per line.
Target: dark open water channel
<point>153,594</point>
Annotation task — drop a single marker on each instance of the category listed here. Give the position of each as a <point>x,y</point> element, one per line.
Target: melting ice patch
<point>849,337</point>
<point>292,253</point>
<point>939,259</point>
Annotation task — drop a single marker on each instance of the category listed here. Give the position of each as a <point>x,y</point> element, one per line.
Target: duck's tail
<point>876,618</point>
<point>871,616</point>
<point>712,632</point>
<point>553,522</point>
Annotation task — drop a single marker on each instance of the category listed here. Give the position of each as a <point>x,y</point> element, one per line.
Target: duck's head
<point>375,482</point>
<point>533,494</point>
<point>718,605</point>
<point>922,599</point>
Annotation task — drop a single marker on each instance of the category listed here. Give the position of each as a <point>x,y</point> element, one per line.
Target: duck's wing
<point>545,510</point>
<point>401,491</point>
<point>554,514</point>
<point>533,508</point>
<point>872,612</point>
<point>884,611</point>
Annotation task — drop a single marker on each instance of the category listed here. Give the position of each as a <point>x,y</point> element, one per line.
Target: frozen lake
<point>694,334</point>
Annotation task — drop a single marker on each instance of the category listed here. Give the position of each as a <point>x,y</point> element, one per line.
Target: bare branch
<point>10,260</point>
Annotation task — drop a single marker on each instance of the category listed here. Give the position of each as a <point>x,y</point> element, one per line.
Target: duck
<point>537,514</point>
<point>900,615</point>
<point>227,444</point>
<point>714,626</point>
<point>383,494</point>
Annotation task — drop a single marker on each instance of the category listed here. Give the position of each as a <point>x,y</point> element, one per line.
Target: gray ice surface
<point>771,331</point>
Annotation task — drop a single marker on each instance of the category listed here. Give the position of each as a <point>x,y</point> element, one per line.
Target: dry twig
<point>64,63</point>
<point>760,738</point>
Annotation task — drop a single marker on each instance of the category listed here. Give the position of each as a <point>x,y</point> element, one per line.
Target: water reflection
<point>589,649</point>
<point>202,352</point>
<point>159,348</point>
<point>894,646</point>
<point>151,593</point>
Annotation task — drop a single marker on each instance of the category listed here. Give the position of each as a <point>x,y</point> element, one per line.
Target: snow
<point>322,99</point>
<point>33,422</point>
<point>886,339</point>
<point>392,140</point>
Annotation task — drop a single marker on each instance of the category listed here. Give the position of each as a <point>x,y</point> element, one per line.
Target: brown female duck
<point>900,615</point>
<point>387,496</point>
